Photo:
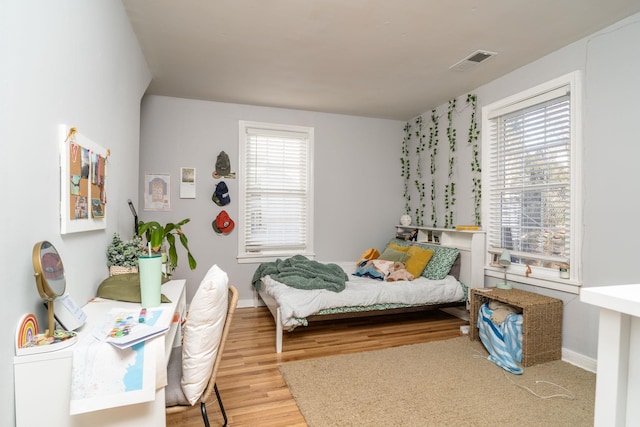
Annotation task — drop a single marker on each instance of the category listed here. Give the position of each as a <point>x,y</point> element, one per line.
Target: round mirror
<point>49,274</point>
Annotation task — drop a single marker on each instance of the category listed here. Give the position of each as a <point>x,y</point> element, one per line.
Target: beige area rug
<point>444,383</point>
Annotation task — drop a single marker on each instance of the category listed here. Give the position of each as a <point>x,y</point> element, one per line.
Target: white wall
<point>70,62</point>
<point>358,196</point>
<point>609,62</point>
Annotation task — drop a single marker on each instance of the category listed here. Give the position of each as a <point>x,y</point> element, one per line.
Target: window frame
<point>542,277</point>
<point>245,256</point>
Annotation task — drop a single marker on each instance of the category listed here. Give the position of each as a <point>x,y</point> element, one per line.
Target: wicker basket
<point>114,270</point>
<point>541,321</point>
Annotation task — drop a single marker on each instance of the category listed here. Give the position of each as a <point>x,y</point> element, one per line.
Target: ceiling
<point>372,58</point>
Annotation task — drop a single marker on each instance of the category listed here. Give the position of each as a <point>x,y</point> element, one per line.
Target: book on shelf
<point>467,228</point>
<point>408,235</point>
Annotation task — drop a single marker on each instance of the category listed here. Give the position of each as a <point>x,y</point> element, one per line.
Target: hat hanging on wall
<point>223,224</point>
<point>223,167</point>
<point>221,194</point>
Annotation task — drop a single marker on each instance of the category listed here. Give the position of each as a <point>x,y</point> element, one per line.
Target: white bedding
<point>296,304</point>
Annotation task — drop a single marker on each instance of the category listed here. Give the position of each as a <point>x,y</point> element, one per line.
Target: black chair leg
<point>203,409</point>
<point>224,414</point>
<point>205,417</point>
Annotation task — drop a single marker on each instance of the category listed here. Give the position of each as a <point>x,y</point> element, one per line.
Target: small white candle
<point>564,271</point>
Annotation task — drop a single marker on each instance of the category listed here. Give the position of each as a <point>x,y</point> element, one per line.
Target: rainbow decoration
<point>27,330</point>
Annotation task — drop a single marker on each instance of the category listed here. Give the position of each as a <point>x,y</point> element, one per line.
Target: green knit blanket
<point>302,273</point>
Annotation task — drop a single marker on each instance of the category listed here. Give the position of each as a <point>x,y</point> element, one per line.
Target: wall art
<point>157,192</point>
<point>187,183</point>
<point>83,183</point>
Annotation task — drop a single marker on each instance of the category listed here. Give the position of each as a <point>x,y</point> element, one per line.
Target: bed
<point>293,307</point>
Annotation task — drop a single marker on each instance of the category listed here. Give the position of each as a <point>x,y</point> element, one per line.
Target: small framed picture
<point>187,183</point>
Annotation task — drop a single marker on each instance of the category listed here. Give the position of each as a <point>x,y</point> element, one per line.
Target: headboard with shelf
<point>471,244</point>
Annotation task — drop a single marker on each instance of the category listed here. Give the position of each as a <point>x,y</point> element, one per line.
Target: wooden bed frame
<point>275,312</point>
<point>472,255</point>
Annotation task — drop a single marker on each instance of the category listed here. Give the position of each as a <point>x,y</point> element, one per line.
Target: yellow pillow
<point>418,260</point>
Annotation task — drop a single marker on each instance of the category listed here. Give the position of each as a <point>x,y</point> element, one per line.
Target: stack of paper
<point>124,328</point>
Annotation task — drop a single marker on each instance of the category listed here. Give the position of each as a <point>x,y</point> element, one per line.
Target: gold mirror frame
<point>49,274</point>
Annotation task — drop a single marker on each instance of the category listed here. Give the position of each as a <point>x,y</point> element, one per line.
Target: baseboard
<point>244,303</point>
<point>579,360</point>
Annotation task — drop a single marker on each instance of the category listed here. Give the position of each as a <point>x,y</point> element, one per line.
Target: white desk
<point>618,377</point>
<point>43,381</point>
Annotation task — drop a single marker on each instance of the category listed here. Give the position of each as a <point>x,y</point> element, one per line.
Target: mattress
<point>297,304</point>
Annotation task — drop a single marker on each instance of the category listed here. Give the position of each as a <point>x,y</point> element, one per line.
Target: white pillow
<point>202,332</point>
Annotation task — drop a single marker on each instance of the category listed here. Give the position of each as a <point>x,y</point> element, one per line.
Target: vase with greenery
<point>122,255</point>
<point>158,235</point>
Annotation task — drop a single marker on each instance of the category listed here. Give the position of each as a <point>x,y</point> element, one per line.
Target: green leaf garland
<point>406,167</point>
<point>450,199</point>
<point>476,170</point>
<point>419,183</point>
<point>433,148</point>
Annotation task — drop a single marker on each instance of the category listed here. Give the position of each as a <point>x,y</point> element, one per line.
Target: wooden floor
<point>252,390</point>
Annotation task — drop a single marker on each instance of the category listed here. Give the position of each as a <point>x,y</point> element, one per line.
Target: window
<point>531,155</point>
<point>276,191</point>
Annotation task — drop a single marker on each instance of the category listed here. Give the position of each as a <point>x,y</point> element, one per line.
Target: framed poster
<point>83,183</point>
<point>157,192</point>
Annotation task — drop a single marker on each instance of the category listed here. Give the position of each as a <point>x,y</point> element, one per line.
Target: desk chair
<point>176,362</point>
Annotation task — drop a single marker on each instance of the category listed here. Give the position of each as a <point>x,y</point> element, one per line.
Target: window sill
<point>257,259</point>
<point>557,284</point>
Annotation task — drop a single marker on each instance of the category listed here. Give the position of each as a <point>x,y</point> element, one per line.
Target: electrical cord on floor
<point>569,395</point>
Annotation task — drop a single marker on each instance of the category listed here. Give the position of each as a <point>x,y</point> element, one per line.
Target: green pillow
<point>125,287</point>
<point>394,255</point>
<point>441,263</point>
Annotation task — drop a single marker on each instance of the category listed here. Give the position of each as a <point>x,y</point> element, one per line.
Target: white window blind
<point>276,190</point>
<point>530,209</point>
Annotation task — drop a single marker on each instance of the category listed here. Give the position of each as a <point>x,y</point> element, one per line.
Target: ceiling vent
<point>472,60</point>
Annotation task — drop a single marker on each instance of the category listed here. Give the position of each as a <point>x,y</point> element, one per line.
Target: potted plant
<point>156,236</point>
<point>122,255</point>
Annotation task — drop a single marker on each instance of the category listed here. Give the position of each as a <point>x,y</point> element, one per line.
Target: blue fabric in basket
<point>504,341</point>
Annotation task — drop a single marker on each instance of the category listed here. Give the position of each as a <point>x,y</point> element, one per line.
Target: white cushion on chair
<point>202,332</point>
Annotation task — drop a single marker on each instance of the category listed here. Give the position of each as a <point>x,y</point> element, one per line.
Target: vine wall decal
<point>433,153</point>
<point>419,183</point>
<point>405,161</point>
<point>443,199</point>
<point>450,188</point>
<point>474,134</point>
